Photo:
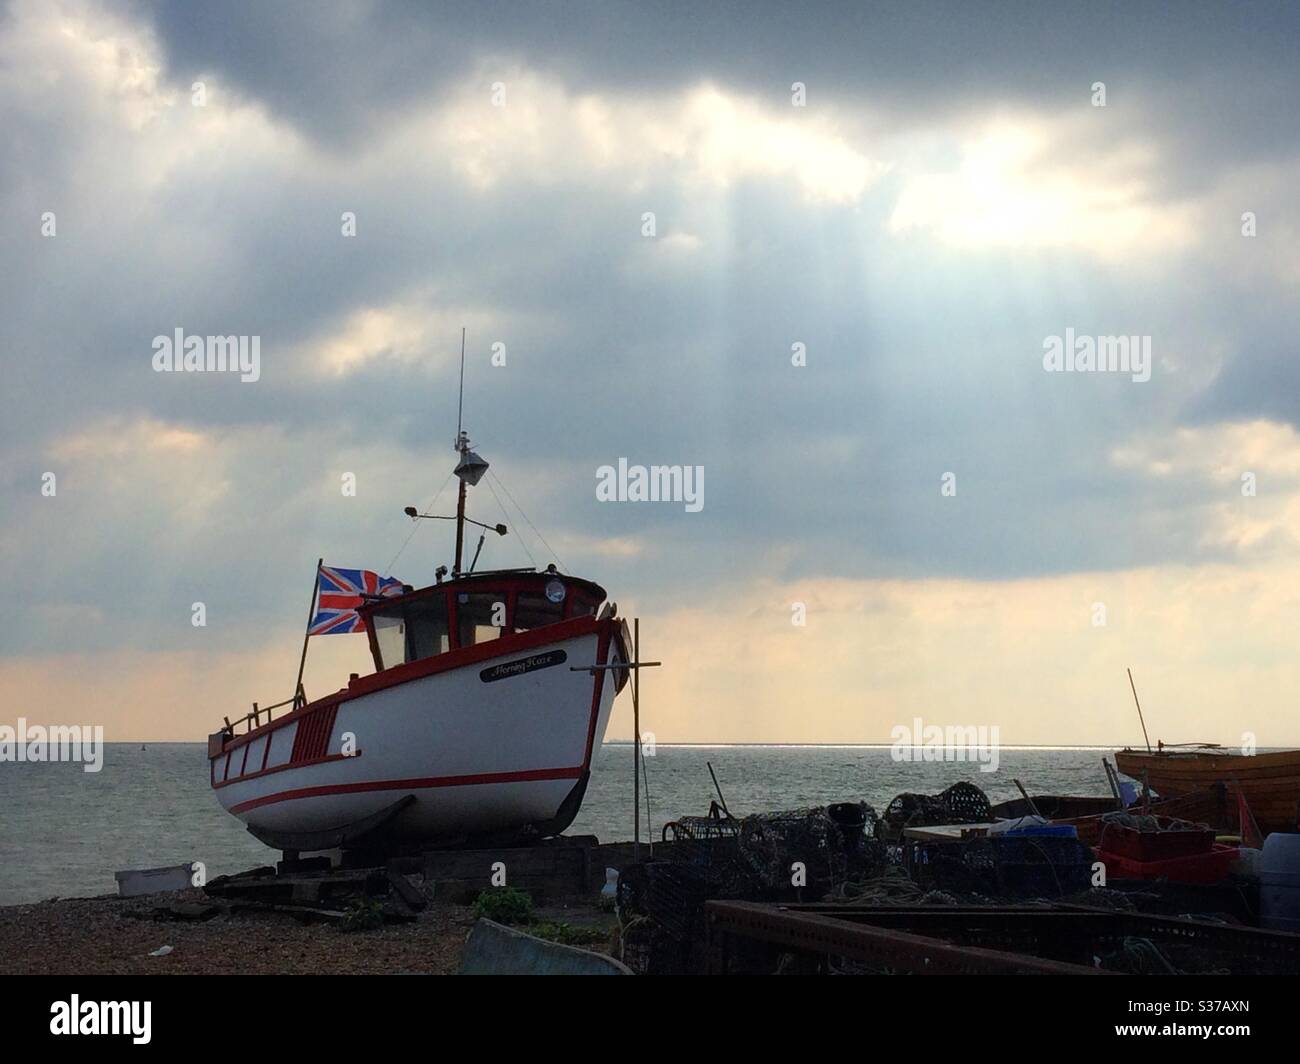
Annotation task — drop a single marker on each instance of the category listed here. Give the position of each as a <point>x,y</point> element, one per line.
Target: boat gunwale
<point>406,672</point>
<point>1205,759</point>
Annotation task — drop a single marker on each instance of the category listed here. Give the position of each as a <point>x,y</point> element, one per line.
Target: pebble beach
<point>115,936</point>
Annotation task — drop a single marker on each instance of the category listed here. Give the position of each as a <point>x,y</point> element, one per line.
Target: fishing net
<point>771,845</point>
<point>701,829</point>
<point>1148,823</point>
<point>962,803</point>
<point>967,803</point>
<point>1008,866</point>
<point>807,854</point>
<point>710,846</point>
<point>670,892</point>
<point>648,948</point>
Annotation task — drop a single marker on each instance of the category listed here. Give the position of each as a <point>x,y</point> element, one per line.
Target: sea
<point>64,832</point>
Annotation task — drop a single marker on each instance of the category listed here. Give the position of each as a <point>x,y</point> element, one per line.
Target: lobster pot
<point>1279,883</point>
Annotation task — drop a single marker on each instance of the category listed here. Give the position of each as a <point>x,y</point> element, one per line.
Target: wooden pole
<point>718,787</point>
<point>634,667</point>
<point>311,612</point>
<point>636,744</point>
<point>1114,784</point>
<point>1025,795</point>
<point>1139,705</point>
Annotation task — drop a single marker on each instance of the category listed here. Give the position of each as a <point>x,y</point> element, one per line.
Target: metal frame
<point>819,932</point>
<point>900,937</point>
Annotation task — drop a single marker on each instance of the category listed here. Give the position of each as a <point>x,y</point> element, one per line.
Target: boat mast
<point>460,510</point>
<point>469,470</point>
<point>462,445</point>
<point>1139,705</point>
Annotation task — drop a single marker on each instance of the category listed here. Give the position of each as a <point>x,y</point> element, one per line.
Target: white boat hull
<point>501,744</point>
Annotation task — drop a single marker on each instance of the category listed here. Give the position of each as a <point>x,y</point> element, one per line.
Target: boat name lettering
<point>523,665</point>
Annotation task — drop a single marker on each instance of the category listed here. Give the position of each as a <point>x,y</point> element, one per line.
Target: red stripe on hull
<point>325,759</point>
<point>415,784</point>
<point>447,661</point>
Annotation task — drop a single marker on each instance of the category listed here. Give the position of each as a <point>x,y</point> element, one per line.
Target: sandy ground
<point>114,936</point>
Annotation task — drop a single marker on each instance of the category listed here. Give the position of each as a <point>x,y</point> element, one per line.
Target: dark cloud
<point>1223,73</point>
<point>921,359</point>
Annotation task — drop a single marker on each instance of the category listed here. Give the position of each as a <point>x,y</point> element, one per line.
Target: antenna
<point>460,403</point>
<point>469,469</point>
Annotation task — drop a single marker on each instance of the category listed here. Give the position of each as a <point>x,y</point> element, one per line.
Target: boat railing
<point>253,719</point>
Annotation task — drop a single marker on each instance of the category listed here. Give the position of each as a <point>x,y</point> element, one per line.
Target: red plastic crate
<point>1155,845</point>
<point>1209,867</point>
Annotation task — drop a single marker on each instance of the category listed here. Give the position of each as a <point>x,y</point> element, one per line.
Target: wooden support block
<point>410,894</point>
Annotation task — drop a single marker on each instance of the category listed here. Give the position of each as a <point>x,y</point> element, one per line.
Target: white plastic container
<point>134,882</point>
<point>1279,883</point>
<point>1247,862</point>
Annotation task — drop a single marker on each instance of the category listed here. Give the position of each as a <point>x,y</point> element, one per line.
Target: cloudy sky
<point>920,195</point>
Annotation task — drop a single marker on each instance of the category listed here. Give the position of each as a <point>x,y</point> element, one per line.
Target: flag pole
<point>636,741</point>
<point>311,612</point>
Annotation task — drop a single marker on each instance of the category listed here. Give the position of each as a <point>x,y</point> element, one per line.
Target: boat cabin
<point>469,610</point>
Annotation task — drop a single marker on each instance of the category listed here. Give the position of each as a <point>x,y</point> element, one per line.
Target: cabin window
<point>390,635</point>
<point>534,611</point>
<point>583,606</point>
<point>427,632</point>
<point>480,616</point>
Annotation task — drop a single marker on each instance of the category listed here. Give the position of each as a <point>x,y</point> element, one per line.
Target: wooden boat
<point>1056,807</point>
<point>1269,782</point>
<point>487,706</point>
<point>1205,806</point>
<point>494,734</point>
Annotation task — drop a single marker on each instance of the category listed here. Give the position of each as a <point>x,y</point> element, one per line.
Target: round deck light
<point>555,591</point>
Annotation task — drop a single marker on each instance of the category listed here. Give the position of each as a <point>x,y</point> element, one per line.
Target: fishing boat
<point>1056,807</point>
<point>489,699</point>
<point>1270,782</point>
<point>1085,812</point>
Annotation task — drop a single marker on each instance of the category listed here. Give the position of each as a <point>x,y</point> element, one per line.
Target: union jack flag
<point>341,591</point>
